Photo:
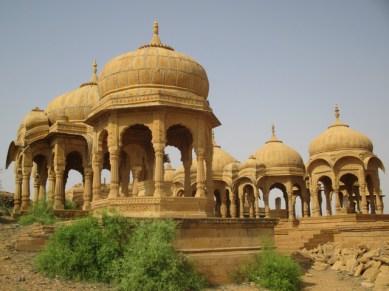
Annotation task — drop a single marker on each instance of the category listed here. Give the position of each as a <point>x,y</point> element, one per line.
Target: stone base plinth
<point>162,207</point>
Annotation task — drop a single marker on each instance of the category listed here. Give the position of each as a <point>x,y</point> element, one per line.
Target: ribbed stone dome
<point>339,136</point>
<point>35,118</point>
<point>77,104</point>
<point>153,66</point>
<point>275,154</point>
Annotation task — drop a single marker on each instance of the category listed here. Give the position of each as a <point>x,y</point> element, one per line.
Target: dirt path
<point>17,273</point>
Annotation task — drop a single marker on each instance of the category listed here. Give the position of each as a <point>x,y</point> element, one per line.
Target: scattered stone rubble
<point>371,264</point>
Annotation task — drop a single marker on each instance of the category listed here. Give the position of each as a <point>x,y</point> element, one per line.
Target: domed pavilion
<point>344,172</point>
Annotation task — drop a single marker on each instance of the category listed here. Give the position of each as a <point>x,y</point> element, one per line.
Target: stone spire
<point>93,79</point>
<point>273,135</point>
<point>155,40</point>
<point>94,72</point>
<point>337,112</point>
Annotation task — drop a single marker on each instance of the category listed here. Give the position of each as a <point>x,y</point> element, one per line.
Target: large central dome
<point>153,66</point>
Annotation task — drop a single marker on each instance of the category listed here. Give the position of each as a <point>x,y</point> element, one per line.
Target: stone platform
<point>347,230</point>
<point>156,207</point>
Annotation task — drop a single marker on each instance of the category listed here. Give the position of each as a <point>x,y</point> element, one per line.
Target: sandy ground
<point>17,273</point>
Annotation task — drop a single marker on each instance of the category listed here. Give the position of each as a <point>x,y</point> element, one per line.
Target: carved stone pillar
<point>26,188</point>
<point>42,188</point>
<point>380,206</point>
<point>18,192</point>
<point>96,167</point>
<point>87,189</point>
<point>124,181</point>
<point>328,201</point>
<point>290,204</point>
<point>338,205</point>
<point>266,193</point>
<point>187,179</point>
<point>209,174</point>
<point>256,202</point>
<point>136,174</point>
<point>233,208</point>
<point>200,179</point>
<point>36,176</point>
<point>223,206</point>
<point>362,192</point>
<point>50,186</point>
<point>59,188</point>
<point>114,161</point>
<point>316,203</point>
<point>241,202</point>
<point>159,150</point>
<point>305,200</point>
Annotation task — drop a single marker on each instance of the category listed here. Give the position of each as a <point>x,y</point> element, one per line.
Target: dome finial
<point>155,39</point>
<point>273,130</point>
<point>94,71</point>
<point>337,112</point>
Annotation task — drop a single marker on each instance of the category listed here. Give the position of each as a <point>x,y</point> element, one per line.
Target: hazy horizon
<point>282,62</point>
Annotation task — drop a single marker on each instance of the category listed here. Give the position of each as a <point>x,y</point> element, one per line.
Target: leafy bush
<point>135,255</point>
<point>151,262</point>
<point>272,270</point>
<point>40,212</point>
<point>69,204</point>
<point>85,250</point>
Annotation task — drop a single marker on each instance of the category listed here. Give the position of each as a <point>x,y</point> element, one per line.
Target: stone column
<point>233,208</point>
<point>209,174</point>
<point>87,188</point>
<point>50,186</point>
<point>380,206</point>
<point>136,174</point>
<point>96,167</point>
<point>200,178</point>
<point>223,200</point>
<point>266,193</point>
<point>290,204</point>
<point>42,189</point>
<point>338,205</point>
<point>241,202</point>
<point>187,163</point>
<point>59,188</point>
<point>316,203</point>
<point>26,188</point>
<point>328,201</point>
<point>18,192</point>
<point>124,181</point>
<point>36,184</point>
<point>159,150</point>
<point>362,192</point>
<point>305,202</point>
<point>256,202</point>
<point>114,161</point>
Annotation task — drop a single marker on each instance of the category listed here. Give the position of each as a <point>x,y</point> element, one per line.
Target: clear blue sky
<point>286,62</point>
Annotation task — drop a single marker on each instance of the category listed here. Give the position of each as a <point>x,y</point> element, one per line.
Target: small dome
<point>339,136</point>
<point>36,117</point>
<point>250,163</point>
<point>275,154</point>
<point>77,104</point>
<point>153,66</point>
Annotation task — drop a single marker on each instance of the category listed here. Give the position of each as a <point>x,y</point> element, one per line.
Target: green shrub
<point>151,262</point>
<point>272,270</point>
<point>40,212</point>
<point>69,204</point>
<point>84,250</point>
<point>135,255</point>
